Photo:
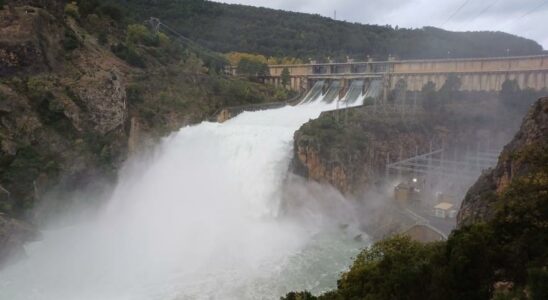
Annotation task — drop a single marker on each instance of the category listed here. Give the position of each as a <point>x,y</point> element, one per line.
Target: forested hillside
<point>226,28</point>
<point>81,85</point>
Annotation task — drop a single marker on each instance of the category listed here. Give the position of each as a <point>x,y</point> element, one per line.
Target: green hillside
<point>226,28</point>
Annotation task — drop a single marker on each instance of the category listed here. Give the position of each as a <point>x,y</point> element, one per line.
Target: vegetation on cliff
<point>79,80</point>
<point>501,254</point>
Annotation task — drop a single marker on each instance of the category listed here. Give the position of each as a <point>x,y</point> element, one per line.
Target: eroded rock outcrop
<point>351,150</point>
<point>29,40</point>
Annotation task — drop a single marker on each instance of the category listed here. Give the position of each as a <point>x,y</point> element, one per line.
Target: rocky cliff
<point>79,91</point>
<point>351,148</point>
<point>62,109</point>
<point>524,158</point>
<point>498,252</point>
<point>75,88</point>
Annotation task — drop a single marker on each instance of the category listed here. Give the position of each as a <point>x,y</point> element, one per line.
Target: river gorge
<point>198,218</point>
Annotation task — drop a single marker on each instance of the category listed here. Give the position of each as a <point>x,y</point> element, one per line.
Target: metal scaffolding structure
<point>436,163</point>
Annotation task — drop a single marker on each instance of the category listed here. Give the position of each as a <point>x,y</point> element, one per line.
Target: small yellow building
<point>444,210</point>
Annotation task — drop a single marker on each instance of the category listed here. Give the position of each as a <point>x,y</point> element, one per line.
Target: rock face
<point>29,40</point>
<point>352,155</point>
<point>13,235</point>
<point>481,200</point>
<point>75,96</point>
<point>62,109</point>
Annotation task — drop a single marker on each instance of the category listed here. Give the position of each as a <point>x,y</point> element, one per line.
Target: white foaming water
<point>198,220</point>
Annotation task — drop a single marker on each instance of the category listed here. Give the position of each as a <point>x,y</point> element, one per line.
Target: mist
<point>200,216</point>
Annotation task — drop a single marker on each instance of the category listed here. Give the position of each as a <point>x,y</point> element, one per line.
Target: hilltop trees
<point>225,28</point>
<point>252,68</point>
<point>286,77</point>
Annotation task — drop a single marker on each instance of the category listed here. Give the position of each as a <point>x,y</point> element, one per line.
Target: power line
<point>456,12</point>
<point>191,43</point>
<point>487,8</point>
<point>533,10</point>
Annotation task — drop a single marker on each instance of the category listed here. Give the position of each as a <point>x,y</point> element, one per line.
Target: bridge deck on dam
<point>476,74</point>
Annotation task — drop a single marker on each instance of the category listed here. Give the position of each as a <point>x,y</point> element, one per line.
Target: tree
<point>71,9</point>
<point>193,65</point>
<point>400,91</point>
<point>252,68</point>
<point>86,7</point>
<point>1,4</point>
<point>509,93</point>
<point>112,11</point>
<point>430,102</point>
<point>396,268</point>
<point>137,34</point>
<point>286,77</point>
<point>450,87</point>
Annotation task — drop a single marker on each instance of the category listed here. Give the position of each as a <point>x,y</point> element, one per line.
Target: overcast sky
<point>527,18</point>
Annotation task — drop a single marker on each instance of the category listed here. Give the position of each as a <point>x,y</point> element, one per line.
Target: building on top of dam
<point>476,74</point>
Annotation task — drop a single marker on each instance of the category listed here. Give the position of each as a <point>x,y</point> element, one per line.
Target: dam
<point>476,74</point>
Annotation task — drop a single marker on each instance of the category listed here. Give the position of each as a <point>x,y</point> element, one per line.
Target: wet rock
<point>13,236</point>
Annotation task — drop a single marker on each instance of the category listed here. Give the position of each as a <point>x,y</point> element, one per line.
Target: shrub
<point>286,77</point>
<point>70,42</point>
<point>87,7</point>
<point>112,11</point>
<point>102,38</point>
<point>252,68</point>
<point>139,34</point>
<point>134,94</point>
<point>538,283</point>
<point>71,9</point>
<point>129,54</point>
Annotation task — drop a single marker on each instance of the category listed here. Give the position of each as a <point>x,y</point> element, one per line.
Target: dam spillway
<point>332,92</point>
<point>477,74</point>
<point>199,218</point>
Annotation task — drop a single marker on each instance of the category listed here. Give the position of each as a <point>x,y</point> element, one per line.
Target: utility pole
<point>154,24</point>
<point>335,15</point>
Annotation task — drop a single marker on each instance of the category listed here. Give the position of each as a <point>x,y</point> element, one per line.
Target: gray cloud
<point>526,18</point>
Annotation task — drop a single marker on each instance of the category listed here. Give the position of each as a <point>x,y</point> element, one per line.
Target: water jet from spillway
<point>199,221</point>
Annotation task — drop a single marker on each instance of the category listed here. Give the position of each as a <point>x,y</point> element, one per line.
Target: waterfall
<point>197,219</point>
<point>354,91</point>
<point>333,92</point>
<point>315,92</point>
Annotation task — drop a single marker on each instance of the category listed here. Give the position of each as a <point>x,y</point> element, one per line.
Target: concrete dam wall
<point>477,74</point>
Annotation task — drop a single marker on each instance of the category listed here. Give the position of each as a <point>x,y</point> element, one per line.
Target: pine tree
<point>286,77</point>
